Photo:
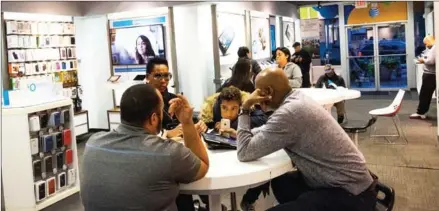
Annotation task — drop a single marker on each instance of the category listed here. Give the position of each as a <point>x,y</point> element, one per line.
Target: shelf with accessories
<point>39,142</point>
<point>41,50</point>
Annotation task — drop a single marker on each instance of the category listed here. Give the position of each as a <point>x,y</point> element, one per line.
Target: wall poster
<point>260,33</point>
<point>288,35</point>
<point>231,36</point>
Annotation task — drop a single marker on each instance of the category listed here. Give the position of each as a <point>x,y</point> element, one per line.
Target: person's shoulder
<point>99,138</point>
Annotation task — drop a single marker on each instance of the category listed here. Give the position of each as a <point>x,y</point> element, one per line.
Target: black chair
<point>385,203</point>
<point>354,127</point>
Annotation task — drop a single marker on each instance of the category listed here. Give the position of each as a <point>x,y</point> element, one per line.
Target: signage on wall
<point>360,4</point>
<point>137,22</point>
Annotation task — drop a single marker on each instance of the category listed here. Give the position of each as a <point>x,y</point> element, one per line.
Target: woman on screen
<point>143,50</point>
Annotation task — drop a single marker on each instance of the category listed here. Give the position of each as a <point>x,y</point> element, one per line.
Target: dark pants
<point>306,81</point>
<point>185,203</point>
<point>293,194</point>
<point>252,194</point>
<point>427,89</point>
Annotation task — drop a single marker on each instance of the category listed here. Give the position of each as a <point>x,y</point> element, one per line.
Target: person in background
<point>293,72</point>
<point>241,77</point>
<point>303,59</point>
<point>131,167</point>
<point>143,50</point>
<point>226,105</point>
<point>158,75</point>
<point>244,53</point>
<point>428,79</point>
<point>330,77</point>
<point>331,172</point>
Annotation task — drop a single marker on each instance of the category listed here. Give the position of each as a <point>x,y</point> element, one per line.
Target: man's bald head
<point>273,82</point>
<point>429,41</point>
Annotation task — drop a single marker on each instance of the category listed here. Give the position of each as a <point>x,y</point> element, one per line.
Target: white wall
<point>49,7</point>
<point>194,47</point>
<point>93,53</point>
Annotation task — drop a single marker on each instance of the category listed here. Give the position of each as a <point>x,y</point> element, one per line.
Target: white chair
<point>391,111</point>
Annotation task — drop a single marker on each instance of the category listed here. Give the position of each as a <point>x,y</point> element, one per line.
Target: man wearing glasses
<point>158,75</point>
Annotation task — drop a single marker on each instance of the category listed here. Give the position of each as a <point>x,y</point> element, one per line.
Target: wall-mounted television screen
<point>137,45</point>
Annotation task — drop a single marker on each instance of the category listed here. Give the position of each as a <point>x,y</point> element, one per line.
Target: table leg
<point>233,201</point>
<point>214,202</point>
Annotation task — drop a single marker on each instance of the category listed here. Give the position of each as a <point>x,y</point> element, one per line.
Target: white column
<point>94,68</point>
<point>410,46</point>
<point>343,45</point>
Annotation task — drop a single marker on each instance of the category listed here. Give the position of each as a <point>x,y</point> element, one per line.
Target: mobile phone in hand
<point>225,124</point>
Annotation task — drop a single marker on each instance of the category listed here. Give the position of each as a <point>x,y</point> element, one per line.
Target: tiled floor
<point>412,170</point>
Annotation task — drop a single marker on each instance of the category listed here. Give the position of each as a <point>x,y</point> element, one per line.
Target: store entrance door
<point>377,57</point>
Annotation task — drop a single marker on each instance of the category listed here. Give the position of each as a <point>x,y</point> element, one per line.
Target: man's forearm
<point>192,140</point>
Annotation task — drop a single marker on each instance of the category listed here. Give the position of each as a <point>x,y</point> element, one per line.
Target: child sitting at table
<point>226,105</point>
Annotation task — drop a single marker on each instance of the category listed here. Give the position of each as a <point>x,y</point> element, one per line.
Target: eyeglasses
<point>160,76</point>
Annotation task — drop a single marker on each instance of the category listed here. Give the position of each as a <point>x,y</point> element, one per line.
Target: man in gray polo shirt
<point>131,168</point>
<point>332,172</point>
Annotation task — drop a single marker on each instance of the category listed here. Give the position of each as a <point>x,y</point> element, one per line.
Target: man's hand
<point>201,127</point>
<point>176,132</point>
<point>421,60</point>
<point>180,107</point>
<point>255,98</point>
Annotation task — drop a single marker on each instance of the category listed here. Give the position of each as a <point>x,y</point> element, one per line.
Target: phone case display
<point>40,48</point>
<point>260,33</point>
<point>51,154</point>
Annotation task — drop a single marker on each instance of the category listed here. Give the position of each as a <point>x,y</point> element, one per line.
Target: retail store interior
<point>66,67</point>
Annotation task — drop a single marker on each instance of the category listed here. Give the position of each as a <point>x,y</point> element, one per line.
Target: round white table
<point>227,174</point>
<point>328,97</point>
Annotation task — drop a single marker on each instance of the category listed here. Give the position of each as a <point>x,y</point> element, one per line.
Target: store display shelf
<point>40,74</point>
<point>40,34</point>
<point>41,47</point>
<point>39,153</point>
<point>44,60</point>
<point>59,196</point>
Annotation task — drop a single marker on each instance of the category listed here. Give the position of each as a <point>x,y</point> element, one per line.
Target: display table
<point>81,122</point>
<point>227,174</point>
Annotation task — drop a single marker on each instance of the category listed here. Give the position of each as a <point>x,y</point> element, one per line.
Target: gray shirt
<point>430,61</point>
<point>294,74</point>
<point>315,142</point>
<point>128,169</point>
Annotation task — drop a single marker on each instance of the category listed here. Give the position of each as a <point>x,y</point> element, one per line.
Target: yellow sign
<point>378,12</point>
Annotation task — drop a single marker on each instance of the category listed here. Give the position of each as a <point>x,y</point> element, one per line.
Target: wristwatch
<point>244,112</point>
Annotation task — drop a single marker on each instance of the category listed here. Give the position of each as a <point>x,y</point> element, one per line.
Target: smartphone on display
<point>288,32</point>
<point>139,77</point>
<point>225,124</point>
<point>37,168</point>
<point>225,39</point>
<point>113,78</point>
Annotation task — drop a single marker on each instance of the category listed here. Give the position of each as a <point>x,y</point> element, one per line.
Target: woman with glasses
<point>158,75</point>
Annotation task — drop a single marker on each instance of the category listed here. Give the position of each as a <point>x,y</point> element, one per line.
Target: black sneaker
<point>340,119</point>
